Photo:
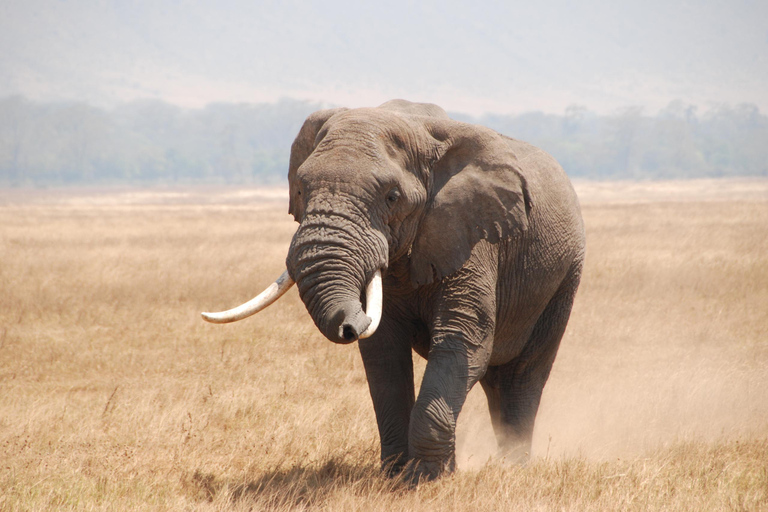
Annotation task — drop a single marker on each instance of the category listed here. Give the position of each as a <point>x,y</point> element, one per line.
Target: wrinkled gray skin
<point>481,243</point>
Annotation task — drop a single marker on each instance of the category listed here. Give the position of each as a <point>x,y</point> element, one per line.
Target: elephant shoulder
<point>536,164</point>
<point>526,151</point>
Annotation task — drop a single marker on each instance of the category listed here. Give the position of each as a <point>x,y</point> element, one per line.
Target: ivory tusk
<point>256,304</point>
<point>374,301</point>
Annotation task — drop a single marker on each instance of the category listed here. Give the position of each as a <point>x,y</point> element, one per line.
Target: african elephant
<point>459,243</point>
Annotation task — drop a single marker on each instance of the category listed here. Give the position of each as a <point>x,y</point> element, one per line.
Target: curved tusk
<point>256,304</point>
<point>374,301</point>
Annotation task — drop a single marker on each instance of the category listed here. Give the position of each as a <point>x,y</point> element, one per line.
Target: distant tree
<point>15,123</point>
<point>623,137</point>
<point>153,142</point>
<point>82,134</point>
<point>734,140</point>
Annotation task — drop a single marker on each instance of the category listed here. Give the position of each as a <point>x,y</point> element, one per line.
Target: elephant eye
<point>392,197</point>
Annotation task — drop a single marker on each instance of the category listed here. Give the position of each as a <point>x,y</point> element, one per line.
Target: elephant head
<point>373,186</point>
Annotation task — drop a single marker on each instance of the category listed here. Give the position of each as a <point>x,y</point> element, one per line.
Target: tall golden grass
<point>114,395</point>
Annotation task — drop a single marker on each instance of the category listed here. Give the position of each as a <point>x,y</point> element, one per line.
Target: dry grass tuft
<point>115,395</point>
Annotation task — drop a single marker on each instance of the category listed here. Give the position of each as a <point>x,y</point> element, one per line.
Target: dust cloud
<point>667,341</point>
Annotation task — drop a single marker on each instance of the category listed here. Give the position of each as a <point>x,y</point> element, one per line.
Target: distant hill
<point>495,57</point>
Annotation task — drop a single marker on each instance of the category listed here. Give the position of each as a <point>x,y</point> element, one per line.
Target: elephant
<point>419,233</point>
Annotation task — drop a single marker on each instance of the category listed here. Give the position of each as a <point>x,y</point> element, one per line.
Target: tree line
<point>153,142</point>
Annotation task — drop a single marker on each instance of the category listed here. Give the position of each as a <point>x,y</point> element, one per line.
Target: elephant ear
<point>477,193</point>
<point>306,142</point>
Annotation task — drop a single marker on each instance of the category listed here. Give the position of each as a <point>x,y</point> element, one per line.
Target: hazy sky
<point>473,57</point>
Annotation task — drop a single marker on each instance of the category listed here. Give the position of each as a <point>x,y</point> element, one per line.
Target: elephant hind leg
<point>511,421</point>
<point>514,389</point>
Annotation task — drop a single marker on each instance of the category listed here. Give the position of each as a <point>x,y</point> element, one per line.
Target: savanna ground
<point>115,395</point>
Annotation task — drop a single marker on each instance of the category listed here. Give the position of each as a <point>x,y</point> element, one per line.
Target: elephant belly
<point>509,341</point>
<point>526,285</point>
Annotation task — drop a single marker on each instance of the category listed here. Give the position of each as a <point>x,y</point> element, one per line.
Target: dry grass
<point>115,395</point>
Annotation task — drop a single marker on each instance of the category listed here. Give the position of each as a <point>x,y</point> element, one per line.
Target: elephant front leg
<point>462,323</point>
<point>450,374</point>
<point>389,369</point>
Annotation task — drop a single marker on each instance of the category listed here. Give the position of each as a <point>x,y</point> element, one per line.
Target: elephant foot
<point>393,466</point>
<point>425,471</point>
<point>518,454</point>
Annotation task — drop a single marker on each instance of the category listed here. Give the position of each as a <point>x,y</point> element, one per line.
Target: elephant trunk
<point>332,267</point>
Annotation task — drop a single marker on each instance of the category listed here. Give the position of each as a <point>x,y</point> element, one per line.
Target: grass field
<point>115,395</point>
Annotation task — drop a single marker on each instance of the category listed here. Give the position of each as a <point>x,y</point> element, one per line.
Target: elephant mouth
<point>349,322</point>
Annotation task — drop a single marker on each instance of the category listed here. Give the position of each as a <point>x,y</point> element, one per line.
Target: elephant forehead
<point>345,164</point>
<point>371,120</point>
<point>370,129</point>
